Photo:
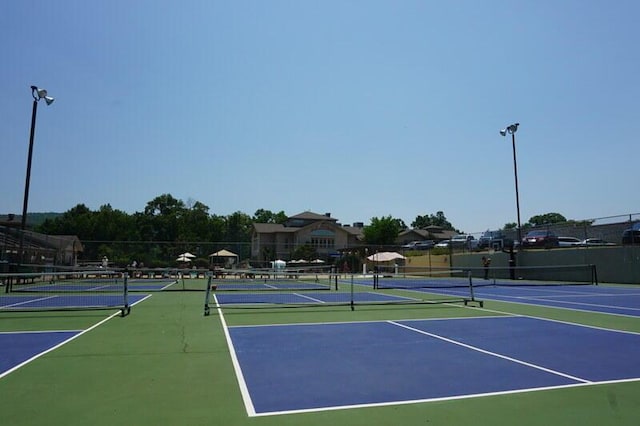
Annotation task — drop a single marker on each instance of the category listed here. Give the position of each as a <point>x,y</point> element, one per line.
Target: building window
<point>322,242</point>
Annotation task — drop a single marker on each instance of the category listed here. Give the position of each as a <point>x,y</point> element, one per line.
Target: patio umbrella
<point>187,254</point>
<point>385,256</point>
<point>183,258</point>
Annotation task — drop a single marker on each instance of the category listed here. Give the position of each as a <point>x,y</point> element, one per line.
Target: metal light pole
<point>37,95</point>
<point>512,129</point>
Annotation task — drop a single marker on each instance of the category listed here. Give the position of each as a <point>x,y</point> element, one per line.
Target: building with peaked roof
<point>271,241</point>
<point>432,232</point>
<point>38,248</point>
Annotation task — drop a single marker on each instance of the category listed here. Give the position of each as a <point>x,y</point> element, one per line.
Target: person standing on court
<point>486,261</point>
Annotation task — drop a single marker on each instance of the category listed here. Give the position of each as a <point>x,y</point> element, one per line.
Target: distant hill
<point>37,218</point>
<point>33,219</point>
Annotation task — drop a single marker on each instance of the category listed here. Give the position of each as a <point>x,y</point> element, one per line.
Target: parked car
<point>419,245</point>
<point>595,242</point>
<point>468,242</point>
<point>425,245</point>
<point>569,241</point>
<point>443,244</point>
<point>631,236</point>
<point>540,238</point>
<point>495,240</point>
<point>410,246</point>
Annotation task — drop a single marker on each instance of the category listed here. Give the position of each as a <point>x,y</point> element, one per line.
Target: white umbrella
<point>183,258</point>
<point>187,254</point>
<point>385,256</point>
<point>317,261</point>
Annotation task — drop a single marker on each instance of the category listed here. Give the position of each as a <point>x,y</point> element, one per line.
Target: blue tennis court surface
<point>64,301</point>
<point>310,367</point>
<point>17,348</point>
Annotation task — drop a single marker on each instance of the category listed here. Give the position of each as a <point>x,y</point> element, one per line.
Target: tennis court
<point>389,361</point>
<point>348,365</point>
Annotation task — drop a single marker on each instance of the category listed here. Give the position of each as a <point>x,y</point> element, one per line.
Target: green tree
<point>382,231</point>
<point>164,213</point>
<point>113,225</point>
<point>267,216</point>
<point>439,219</point>
<point>195,223</point>
<point>546,219</point>
<point>510,226</point>
<point>239,227</point>
<point>79,221</point>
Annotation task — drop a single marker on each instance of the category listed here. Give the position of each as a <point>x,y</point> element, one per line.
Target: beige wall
<point>427,261</point>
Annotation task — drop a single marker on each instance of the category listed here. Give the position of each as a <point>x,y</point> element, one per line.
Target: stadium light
<point>512,129</point>
<point>37,94</point>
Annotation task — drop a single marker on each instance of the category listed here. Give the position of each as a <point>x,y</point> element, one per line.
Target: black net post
<point>207,297</point>
<point>126,309</point>
<point>473,299</point>
<point>352,303</point>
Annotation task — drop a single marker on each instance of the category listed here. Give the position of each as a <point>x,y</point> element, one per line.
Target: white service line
<point>538,367</point>
<point>304,296</point>
<point>58,345</point>
<point>244,390</point>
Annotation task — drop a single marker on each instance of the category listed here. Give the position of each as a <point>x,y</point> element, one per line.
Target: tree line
<point>175,225</point>
<point>171,224</point>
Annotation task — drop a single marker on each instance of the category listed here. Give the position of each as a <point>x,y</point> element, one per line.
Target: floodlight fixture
<point>512,129</point>
<point>37,93</point>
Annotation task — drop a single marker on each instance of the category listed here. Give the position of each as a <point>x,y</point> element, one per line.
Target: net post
<point>352,303</point>
<point>594,275</point>
<point>473,297</point>
<point>126,309</point>
<point>207,297</point>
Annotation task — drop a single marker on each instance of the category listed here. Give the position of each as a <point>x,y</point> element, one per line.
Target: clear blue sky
<point>359,108</point>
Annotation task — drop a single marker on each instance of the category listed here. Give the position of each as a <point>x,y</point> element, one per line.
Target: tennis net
<point>57,291</point>
<point>552,275</point>
<point>436,278</point>
<point>349,291</point>
<point>496,276</point>
<point>270,280</point>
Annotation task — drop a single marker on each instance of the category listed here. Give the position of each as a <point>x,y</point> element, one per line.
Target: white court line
<point>313,299</point>
<point>581,382</point>
<point>597,305</point>
<point>446,398</point>
<point>535,301</point>
<point>579,295</point>
<point>27,301</point>
<point>80,333</point>
<point>64,342</point>
<point>495,354</point>
<point>507,314</point>
<point>244,390</point>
